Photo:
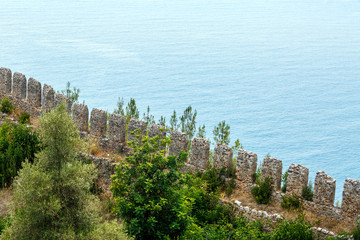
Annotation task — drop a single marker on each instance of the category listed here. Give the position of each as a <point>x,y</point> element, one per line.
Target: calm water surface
<point>285,75</point>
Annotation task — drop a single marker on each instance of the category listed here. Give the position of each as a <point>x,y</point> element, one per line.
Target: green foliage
<point>120,107</point>
<point>307,192</point>
<point>17,143</point>
<point>148,118</point>
<point>237,146</point>
<point>131,110</point>
<point>147,192</point>
<point>71,94</point>
<point>2,224</point>
<point>24,118</point>
<point>52,196</point>
<point>222,133</point>
<point>6,105</point>
<point>297,229</point>
<point>201,132</point>
<point>356,231</point>
<point>162,121</point>
<point>174,122</point>
<point>262,192</point>
<point>188,122</point>
<point>291,203</point>
<point>215,180</point>
<point>284,181</point>
<point>257,175</point>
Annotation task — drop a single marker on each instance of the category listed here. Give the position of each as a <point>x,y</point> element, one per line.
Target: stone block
<point>156,129</point>
<point>179,141</point>
<point>80,115</point>
<point>19,85</point>
<point>297,179</point>
<point>272,167</point>
<point>245,166</point>
<point>5,80</point>
<point>351,197</point>
<point>34,92</point>
<point>48,98</point>
<point>59,98</point>
<point>98,122</point>
<point>223,156</point>
<point>133,126</point>
<point>200,150</point>
<point>324,189</point>
<point>117,130</point>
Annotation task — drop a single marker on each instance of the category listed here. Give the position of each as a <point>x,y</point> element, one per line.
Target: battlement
<point>29,97</point>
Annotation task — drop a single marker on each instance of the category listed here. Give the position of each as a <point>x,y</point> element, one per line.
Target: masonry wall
<point>29,96</point>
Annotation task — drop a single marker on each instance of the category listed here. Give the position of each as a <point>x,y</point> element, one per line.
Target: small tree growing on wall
<point>222,133</point>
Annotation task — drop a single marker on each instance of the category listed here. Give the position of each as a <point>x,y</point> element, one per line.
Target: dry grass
<point>5,201</point>
<point>274,207</point>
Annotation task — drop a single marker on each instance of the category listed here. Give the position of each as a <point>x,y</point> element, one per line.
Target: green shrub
<point>291,203</point>
<point>262,192</point>
<point>17,143</point>
<point>307,192</point>
<point>297,229</point>
<point>24,118</point>
<point>356,231</point>
<point>2,225</point>
<point>6,105</point>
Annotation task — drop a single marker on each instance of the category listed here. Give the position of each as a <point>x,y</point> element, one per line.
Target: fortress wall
<point>27,96</point>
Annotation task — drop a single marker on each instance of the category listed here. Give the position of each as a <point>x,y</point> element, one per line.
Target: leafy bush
<point>262,192</point>
<point>2,225</point>
<point>147,191</point>
<point>6,105</point>
<point>307,192</point>
<point>24,118</point>
<point>17,143</point>
<point>297,229</point>
<point>356,231</point>
<point>291,202</point>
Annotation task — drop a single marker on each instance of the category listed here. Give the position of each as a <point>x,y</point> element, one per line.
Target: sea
<point>285,75</point>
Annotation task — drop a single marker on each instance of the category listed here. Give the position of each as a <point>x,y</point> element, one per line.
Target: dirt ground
<point>5,201</point>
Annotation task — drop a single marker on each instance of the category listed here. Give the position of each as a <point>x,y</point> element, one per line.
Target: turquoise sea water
<point>285,75</point>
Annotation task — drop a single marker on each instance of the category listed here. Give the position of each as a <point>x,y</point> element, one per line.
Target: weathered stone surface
<point>5,80</point>
<point>156,129</point>
<point>223,156</point>
<point>200,150</point>
<point>48,98</point>
<point>19,85</point>
<point>324,189</point>
<point>59,98</point>
<point>245,166</point>
<point>351,197</point>
<point>272,167</point>
<point>133,125</point>
<point>179,141</point>
<point>34,92</point>
<point>98,122</point>
<point>297,179</point>
<point>117,130</point>
<point>80,115</point>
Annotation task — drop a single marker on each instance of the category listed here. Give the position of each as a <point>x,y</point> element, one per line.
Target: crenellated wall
<point>28,97</point>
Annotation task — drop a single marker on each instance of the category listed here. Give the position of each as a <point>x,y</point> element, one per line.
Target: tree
<point>201,132</point>
<point>174,122</point>
<point>148,118</point>
<point>52,196</point>
<point>131,110</point>
<point>162,121</point>
<point>147,192</point>
<point>188,122</point>
<point>222,133</point>
<point>71,94</point>
<point>237,146</point>
<point>120,107</point>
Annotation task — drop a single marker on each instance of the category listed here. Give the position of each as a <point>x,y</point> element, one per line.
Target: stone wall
<point>272,167</point>
<point>246,164</point>
<point>179,141</point>
<point>135,125</point>
<point>200,150</point>
<point>27,96</point>
<point>223,156</point>
<point>297,179</point>
<point>324,189</point>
